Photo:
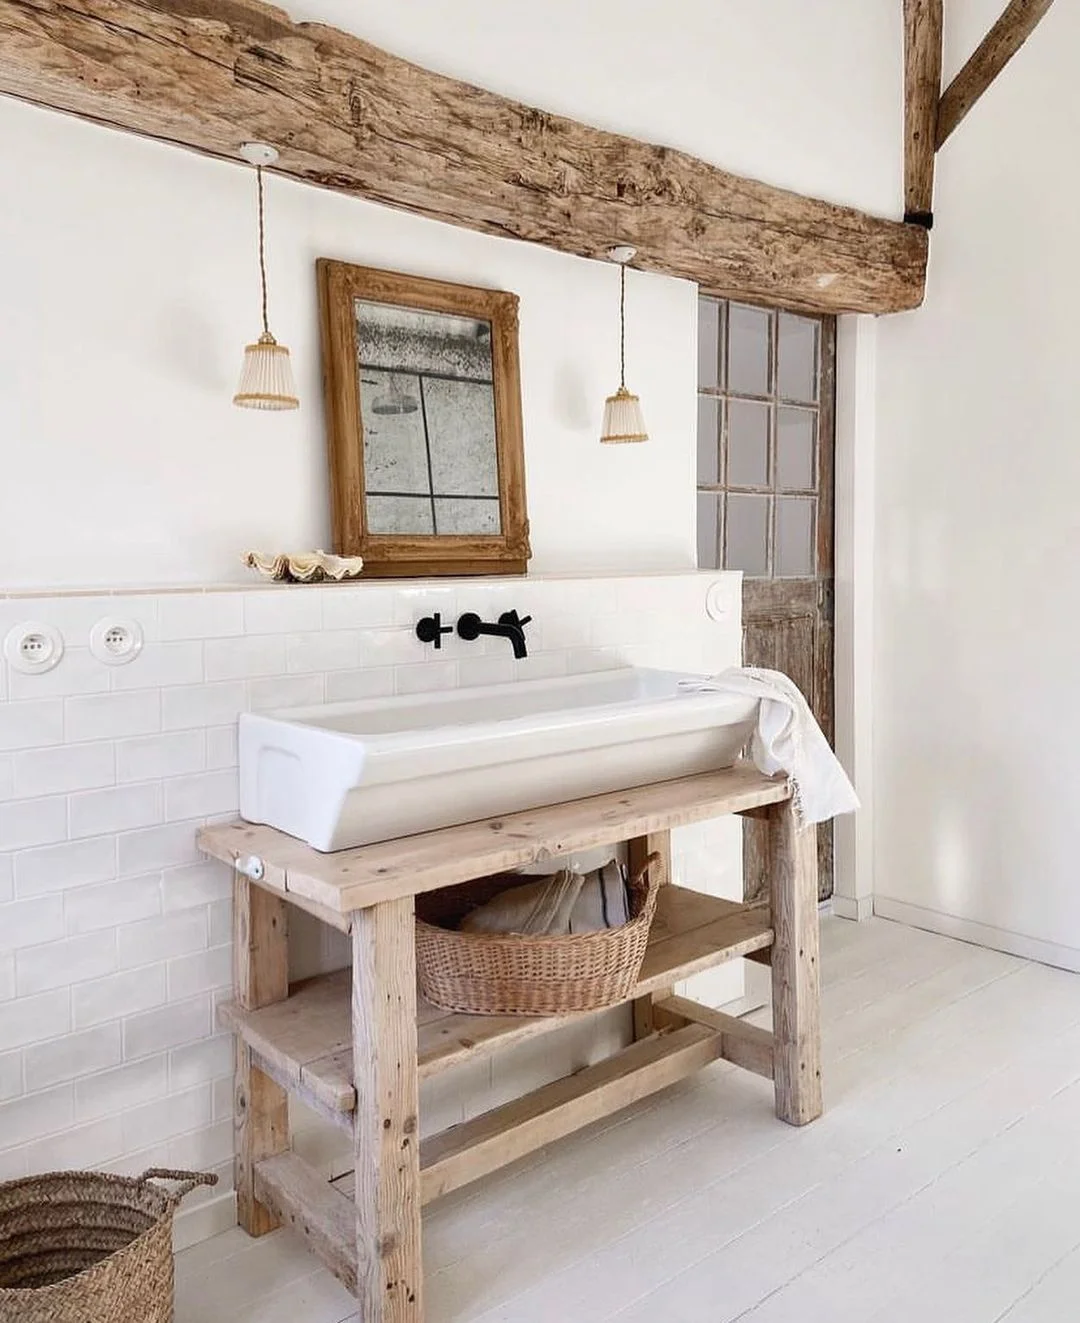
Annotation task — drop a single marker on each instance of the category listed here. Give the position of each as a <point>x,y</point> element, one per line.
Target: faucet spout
<point>517,642</point>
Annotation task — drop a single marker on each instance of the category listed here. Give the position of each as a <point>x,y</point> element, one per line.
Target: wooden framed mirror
<point>423,407</point>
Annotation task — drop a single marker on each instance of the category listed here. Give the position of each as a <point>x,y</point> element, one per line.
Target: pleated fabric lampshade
<point>266,378</point>
<point>623,419</point>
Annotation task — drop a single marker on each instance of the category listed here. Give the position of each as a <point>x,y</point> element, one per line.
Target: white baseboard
<point>742,1006</point>
<point>210,1218</point>
<point>980,934</point>
<point>853,907</point>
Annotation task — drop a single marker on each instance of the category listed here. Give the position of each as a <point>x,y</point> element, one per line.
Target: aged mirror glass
<point>424,417</point>
<point>427,405</point>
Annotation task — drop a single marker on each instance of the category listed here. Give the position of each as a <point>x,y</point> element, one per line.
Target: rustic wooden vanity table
<point>354,1045</point>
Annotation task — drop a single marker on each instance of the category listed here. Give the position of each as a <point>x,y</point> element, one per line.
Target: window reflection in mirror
<point>428,411</point>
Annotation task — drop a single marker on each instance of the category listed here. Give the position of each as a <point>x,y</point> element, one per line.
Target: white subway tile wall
<point>115,934</point>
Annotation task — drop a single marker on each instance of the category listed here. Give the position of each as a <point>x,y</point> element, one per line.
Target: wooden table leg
<point>387,1137</point>
<point>795,974</point>
<point>637,851</point>
<point>261,977</point>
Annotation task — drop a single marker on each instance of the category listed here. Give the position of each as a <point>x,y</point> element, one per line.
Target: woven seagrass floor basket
<point>85,1247</point>
<point>510,974</point>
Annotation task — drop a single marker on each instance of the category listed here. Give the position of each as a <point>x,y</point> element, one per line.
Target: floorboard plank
<point>952,1085</point>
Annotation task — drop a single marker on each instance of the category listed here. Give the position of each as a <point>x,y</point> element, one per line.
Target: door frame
<point>853,611</point>
<point>853,607</point>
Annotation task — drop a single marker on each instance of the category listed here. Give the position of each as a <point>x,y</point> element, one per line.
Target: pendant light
<point>266,379</point>
<point>623,420</point>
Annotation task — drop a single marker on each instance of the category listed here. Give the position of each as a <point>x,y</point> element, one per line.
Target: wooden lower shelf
<point>305,1042</point>
<point>478,1147</point>
<point>325,1218</point>
<point>692,1037</point>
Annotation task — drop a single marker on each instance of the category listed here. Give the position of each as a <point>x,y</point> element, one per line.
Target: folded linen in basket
<point>568,902</point>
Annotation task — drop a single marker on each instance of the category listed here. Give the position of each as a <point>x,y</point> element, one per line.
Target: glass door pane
<point>708,440</point>
<point>708,530</point>
<point>794,537</point>
<point>746,546</point>
<point>749,334</point>
<point>796,433</point>
<point>759,442</point>
<point>748,444</point>
<point>797,354</point>
<point>710,317</point>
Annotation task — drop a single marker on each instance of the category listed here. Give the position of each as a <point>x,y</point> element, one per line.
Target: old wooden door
<point>766,403</point>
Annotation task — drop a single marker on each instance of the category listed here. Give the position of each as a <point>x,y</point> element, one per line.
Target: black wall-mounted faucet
<point>431,630</point>
<point>510,626</point>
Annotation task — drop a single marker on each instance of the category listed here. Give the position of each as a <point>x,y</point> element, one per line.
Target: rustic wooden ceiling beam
<point>210,74</point>
<point>922,88</point>
<point>1016,24</point>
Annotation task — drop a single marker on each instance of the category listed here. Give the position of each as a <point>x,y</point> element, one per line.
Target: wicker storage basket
<point>84,1247</point>
<point>510,974</point>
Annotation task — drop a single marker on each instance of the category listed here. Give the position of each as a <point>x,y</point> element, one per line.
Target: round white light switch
<point>717,604</point>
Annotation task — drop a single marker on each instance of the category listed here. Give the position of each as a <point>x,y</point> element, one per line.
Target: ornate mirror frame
<point>397,554</point>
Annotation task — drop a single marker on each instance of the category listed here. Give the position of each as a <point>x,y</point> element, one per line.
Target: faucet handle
<point>512,618</point>
<point>431,629</point>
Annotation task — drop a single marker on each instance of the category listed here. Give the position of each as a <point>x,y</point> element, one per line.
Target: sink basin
<point>346,774</point>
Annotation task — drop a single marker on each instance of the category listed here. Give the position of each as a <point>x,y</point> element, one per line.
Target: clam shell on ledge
<point>304,566</point>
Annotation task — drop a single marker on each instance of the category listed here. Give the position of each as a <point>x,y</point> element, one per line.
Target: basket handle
<point>644,873</point>
<point>186,1181</point>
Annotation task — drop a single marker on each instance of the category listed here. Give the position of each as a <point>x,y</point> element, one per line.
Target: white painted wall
<point>976,713</point>
<point>130,287</point>
<point>130,290</point>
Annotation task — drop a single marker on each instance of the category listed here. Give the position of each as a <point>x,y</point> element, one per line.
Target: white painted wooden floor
<point>942,1181</point>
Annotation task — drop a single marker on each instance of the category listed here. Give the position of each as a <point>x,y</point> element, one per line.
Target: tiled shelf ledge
<point>253,584</point>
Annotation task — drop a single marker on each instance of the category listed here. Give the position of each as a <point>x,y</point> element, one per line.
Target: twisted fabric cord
<point>262,250</point>
<point>622,326</point>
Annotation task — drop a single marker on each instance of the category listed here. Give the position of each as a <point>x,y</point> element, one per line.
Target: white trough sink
<point>346,774</point>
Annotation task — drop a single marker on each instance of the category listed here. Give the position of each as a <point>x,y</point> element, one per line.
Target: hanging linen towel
<point>567,902</point>
<point>788,739</point>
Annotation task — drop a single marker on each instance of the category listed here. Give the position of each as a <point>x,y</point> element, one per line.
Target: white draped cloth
<point>788,739</point>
